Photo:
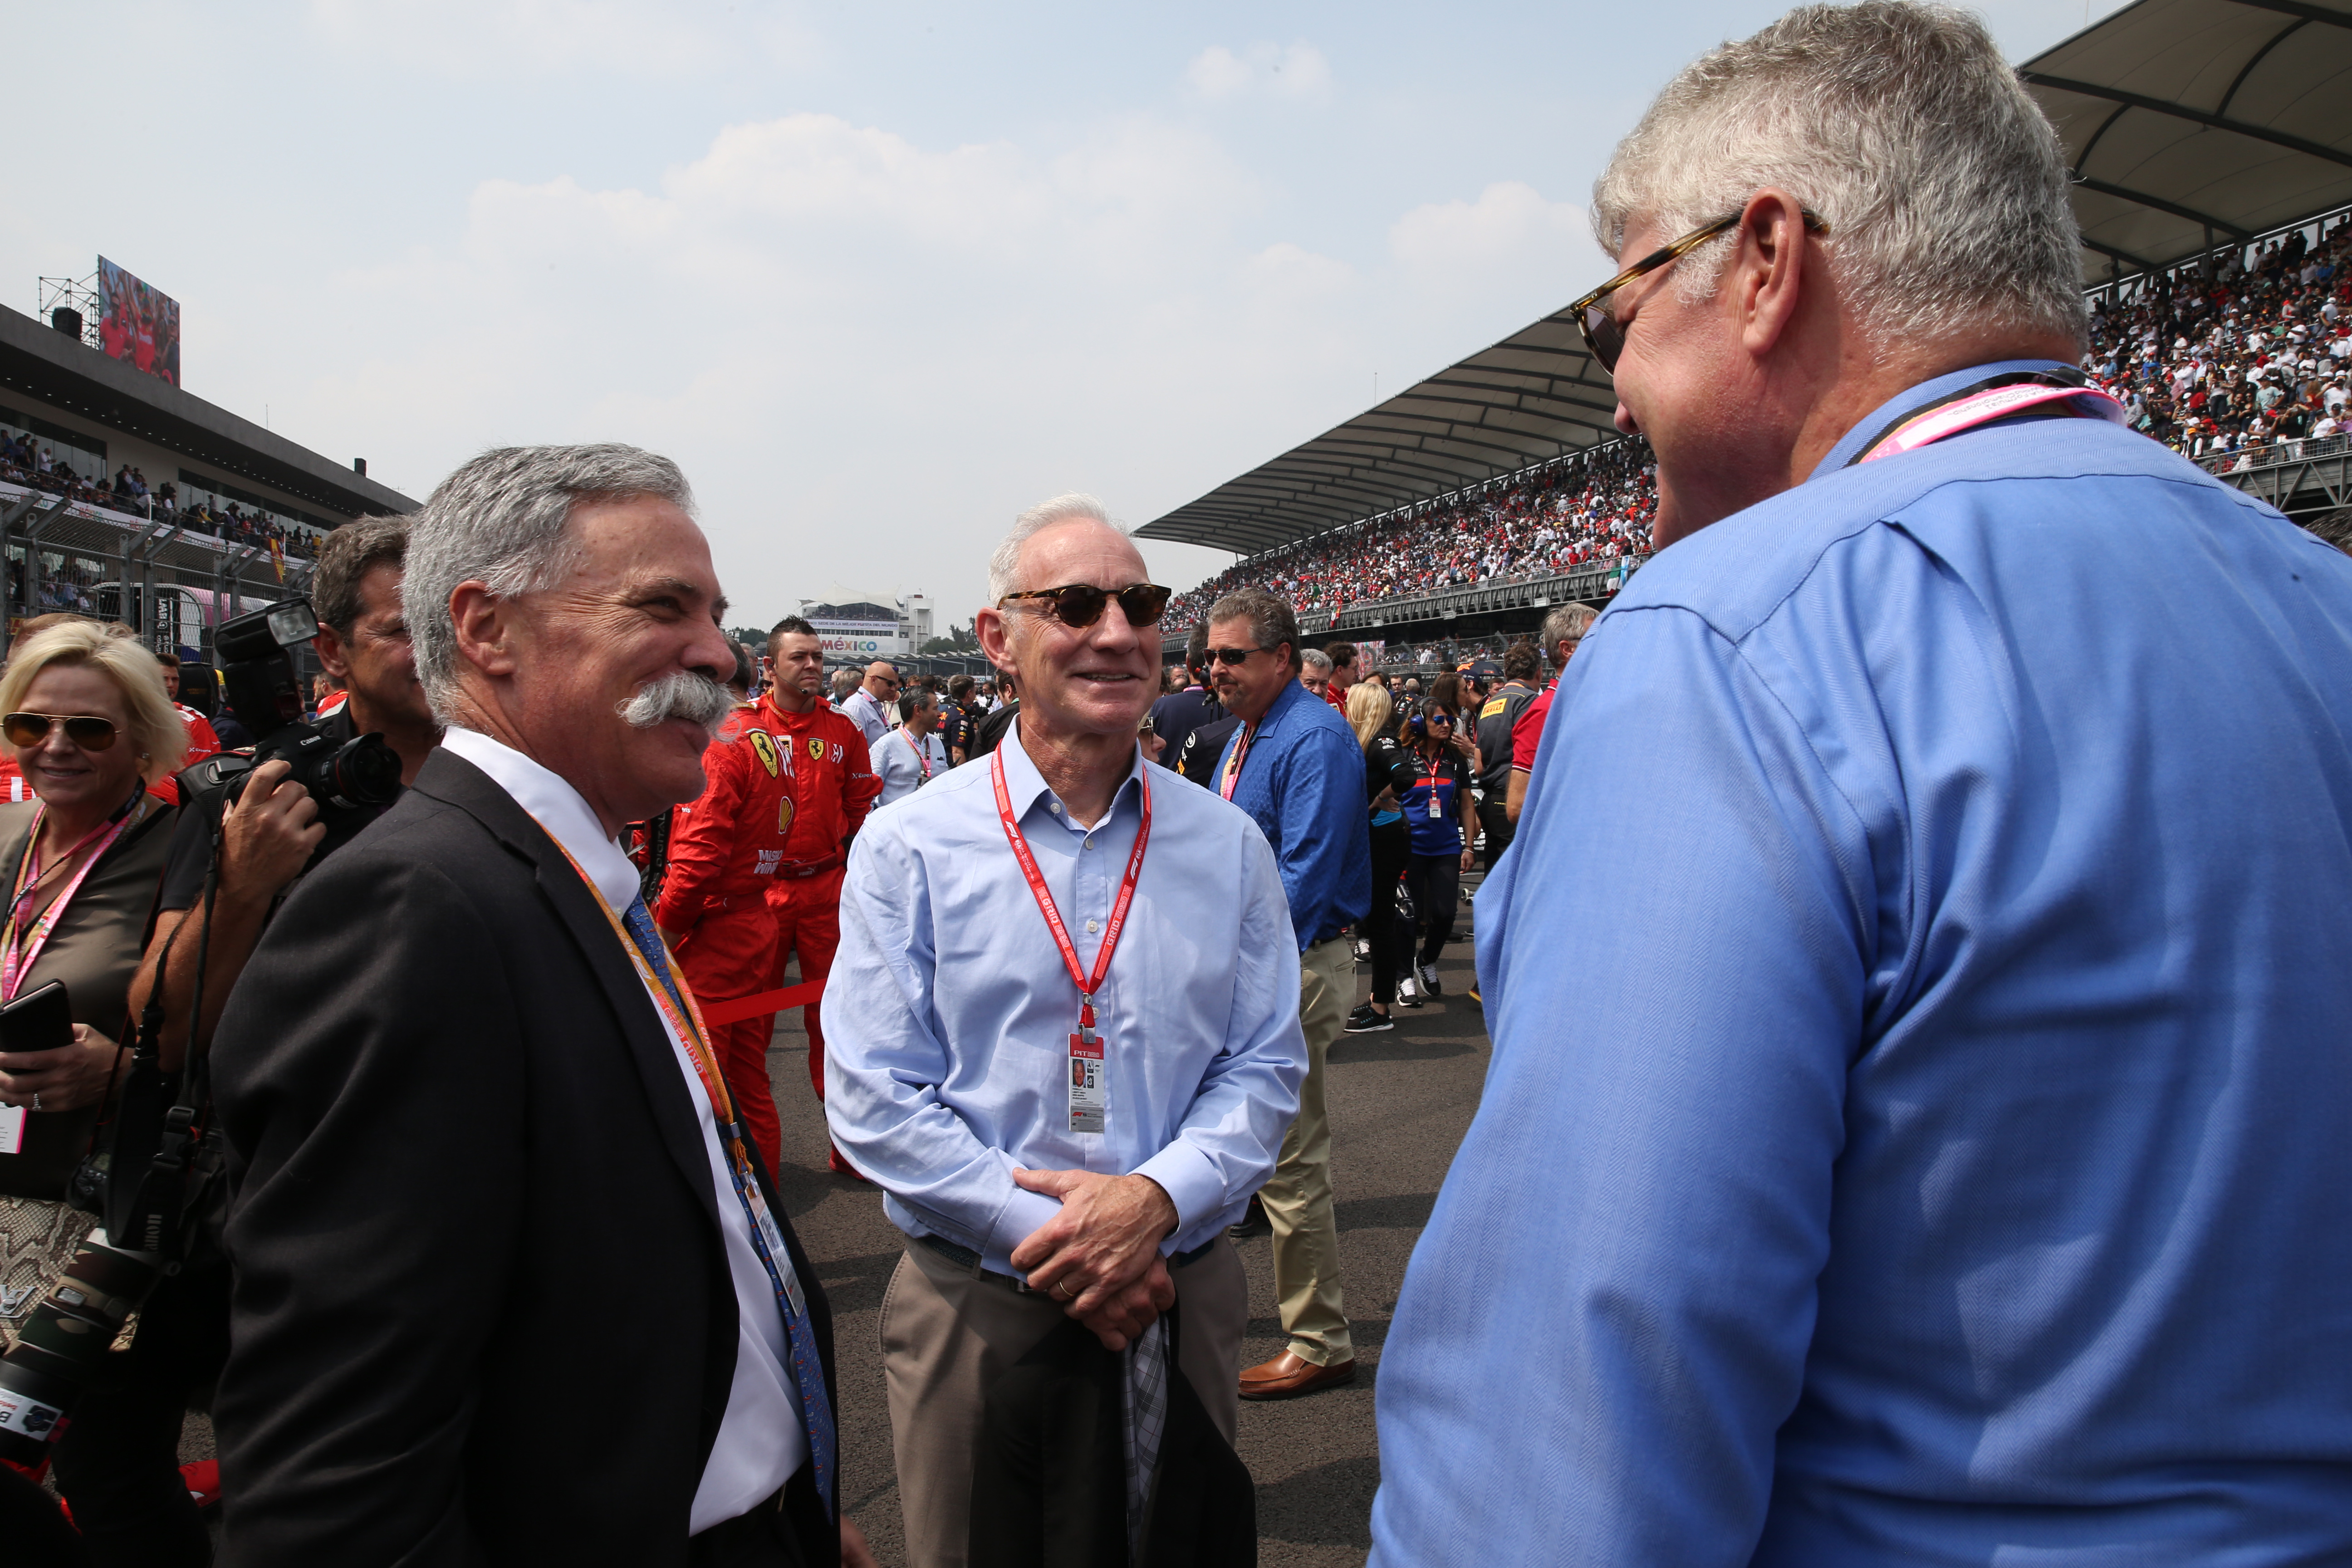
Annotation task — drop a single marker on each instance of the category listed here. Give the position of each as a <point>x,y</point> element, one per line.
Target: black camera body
<point>259,681</point>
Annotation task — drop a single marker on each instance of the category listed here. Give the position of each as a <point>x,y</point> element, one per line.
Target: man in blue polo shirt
<point>1917,1131</point>
<point>1297,768</point>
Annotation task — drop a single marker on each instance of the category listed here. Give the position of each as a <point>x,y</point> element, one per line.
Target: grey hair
<point>1272,621</point>
<point>1567,622</point>
<point>1944,186</point>
<point>1315,659</point>
<point>1004,566</point>
<point>501,520</point>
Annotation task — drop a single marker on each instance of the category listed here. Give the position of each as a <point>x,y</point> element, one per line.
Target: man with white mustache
<point>472,1108</point>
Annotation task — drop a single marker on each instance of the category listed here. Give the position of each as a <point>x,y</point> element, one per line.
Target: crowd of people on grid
<point>25,461</point>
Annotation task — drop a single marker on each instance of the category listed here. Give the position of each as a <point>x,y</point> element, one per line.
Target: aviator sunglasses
<point>1601,334</point>
<point>1081,604</point>
<point>88,730</point>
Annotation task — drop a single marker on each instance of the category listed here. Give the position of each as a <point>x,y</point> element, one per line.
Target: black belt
<point>965,1258</point>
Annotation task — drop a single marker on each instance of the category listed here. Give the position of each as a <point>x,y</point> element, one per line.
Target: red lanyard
<point>1233,769</point>
<point>1045,896</point>
<point>921,756</point>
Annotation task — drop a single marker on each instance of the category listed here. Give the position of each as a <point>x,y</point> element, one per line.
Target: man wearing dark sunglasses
<point>1915,1130</point>
<point>1067,1045</point>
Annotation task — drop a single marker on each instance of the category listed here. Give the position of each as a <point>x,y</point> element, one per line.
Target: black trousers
<point>1497,824</point>
<point>762,1537</point>
<point>119,1462</point>
<point>1435,883</point>
<point>1391,939</point>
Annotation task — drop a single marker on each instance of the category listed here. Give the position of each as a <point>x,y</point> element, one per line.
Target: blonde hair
<point>1368,707</point>
<point>155,727</point>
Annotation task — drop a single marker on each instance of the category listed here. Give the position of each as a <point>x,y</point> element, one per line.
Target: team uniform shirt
<point>1496,732</point>
<point>1526,734</point>
<point>905,764</point>
<point>202,740</point>
<point>729,842</point>
<point>832,784</point>
<point>1433,806</point>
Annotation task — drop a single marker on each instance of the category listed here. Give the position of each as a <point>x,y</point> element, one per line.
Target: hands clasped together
<point>1100,1256</point>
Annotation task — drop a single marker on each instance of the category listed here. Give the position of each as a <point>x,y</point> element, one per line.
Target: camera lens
<point>366,772</point>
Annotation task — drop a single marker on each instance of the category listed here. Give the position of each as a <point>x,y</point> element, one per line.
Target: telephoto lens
<point>59,1349</point>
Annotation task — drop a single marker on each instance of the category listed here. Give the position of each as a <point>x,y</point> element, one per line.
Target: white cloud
<point>1510,226</point>
<point>1297,71</point>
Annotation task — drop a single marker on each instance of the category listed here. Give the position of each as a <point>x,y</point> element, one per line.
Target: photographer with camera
<point>251,826</point>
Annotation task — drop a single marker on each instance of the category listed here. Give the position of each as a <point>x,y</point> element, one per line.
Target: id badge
<point>773,1239</point>
<point>12,1127</point>
<point>1436,807</point>
<point>1089,1088</point>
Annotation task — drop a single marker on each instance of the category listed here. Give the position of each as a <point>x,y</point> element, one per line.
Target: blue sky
<point>878,276</point>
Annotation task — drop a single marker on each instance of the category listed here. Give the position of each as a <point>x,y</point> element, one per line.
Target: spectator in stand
<point>1562,629</point>
<point>874,706</point>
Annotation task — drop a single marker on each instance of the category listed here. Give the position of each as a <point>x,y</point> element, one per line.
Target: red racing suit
<point>723,854</point>
<point>834,787</point>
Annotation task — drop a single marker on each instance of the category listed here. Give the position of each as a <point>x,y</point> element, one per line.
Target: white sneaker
<point>1405,988</point>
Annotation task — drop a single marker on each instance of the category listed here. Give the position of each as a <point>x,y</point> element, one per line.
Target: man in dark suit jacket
<point>511,1286</point>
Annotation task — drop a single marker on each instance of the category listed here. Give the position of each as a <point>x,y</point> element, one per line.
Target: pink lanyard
<point>922,757</point>
<point>2000,403</point>
<point>18,952</point>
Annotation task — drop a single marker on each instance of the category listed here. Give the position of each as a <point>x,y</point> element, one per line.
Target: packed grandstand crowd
<point>2253,360</point>
<point>24,461</point>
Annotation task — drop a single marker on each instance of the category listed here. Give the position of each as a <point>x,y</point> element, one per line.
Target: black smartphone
<point>39,1020</point>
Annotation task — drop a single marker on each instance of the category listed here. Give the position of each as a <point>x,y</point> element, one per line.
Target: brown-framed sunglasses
<point>1601,334</point>
<point>88,730</point>
<point>1081,604</point>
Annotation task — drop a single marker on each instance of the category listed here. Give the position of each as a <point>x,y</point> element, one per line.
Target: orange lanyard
<point>687,1024</point>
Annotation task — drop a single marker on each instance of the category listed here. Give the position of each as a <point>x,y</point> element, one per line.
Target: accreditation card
<point>1090,1086</point>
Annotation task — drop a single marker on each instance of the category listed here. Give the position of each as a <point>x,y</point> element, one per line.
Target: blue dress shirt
<point>949,1013</point>
<point>1303,784</point>
<point>1924,1136</point>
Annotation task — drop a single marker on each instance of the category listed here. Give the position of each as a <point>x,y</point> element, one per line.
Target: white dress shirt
<point>760,1441</point>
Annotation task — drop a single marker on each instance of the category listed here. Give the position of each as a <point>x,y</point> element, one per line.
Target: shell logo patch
<point>765,749</point>
<point>784,816</point>
<point>816,750</point>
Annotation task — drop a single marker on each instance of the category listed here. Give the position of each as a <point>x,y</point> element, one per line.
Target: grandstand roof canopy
<point>2175,115</point>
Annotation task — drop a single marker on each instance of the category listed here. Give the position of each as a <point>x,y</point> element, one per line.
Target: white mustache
<point>685,695</point>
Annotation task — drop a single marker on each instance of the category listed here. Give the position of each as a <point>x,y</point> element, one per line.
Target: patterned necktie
<point>800,1339</point>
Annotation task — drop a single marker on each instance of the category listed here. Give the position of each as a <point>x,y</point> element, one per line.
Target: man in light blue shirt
<point>1045,1156</point>
<point>1920,1137</point>
<point>912,755</point>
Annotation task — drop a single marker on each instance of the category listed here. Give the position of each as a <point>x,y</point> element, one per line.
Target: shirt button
<point>1055,807</point>
<point>1090,843</point>
<point>1093,926</point>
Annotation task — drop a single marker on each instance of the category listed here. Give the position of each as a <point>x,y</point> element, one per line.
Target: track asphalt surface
<point>1400,1103</point>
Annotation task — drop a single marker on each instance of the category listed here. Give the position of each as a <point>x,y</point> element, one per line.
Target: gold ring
<point>1062,1285</point>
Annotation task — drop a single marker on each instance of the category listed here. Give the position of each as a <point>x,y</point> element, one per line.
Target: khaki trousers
<point>1297,1196</point>
<point>947,1336</point>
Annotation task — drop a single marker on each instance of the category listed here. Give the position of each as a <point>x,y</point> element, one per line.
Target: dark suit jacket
<point>482,1311</point>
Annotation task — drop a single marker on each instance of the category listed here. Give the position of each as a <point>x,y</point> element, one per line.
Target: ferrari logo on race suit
<point>816,750</point>
<point>765,749</point>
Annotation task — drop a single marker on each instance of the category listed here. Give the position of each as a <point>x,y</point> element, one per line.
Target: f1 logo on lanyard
<point>1089,1065</point>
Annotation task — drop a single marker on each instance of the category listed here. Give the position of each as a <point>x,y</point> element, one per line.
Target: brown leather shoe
<point>1288,1375</point>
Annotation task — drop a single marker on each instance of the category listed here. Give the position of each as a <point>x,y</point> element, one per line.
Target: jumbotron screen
<point>142,323</point>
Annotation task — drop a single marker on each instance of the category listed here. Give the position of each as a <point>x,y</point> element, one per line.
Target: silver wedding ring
<point>36,1099</point>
